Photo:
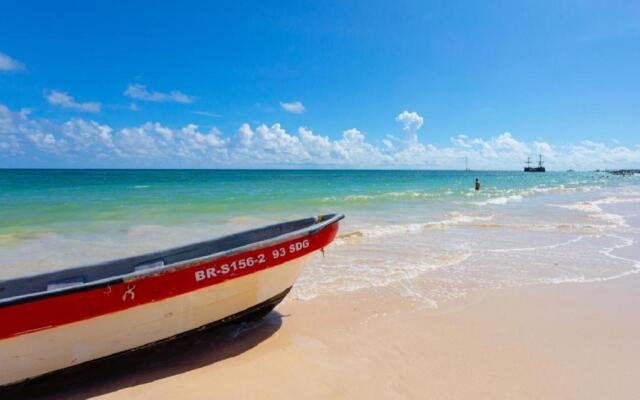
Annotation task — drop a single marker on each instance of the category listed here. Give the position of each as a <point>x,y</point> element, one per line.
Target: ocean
<point>428,234</point>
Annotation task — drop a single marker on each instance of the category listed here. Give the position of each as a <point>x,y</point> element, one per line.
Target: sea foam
<point>500,200</point>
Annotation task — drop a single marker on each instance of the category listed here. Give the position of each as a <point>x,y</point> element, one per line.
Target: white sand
<point>569,341</point>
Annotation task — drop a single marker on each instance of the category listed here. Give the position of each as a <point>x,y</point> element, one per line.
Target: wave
<point>547,247</point>
<point>516,195</point>
<point>345,277</point>
<point>543,227</point>
<point>500,200</point>
<point>503,196</point>
<point>608,252</point>
<point>593,209</point>
<point>618,200</point>
<point>562,189</point>
<point>583,279</point>
<point>409,194</point>
<point>477,222</point>
<point>456,218</point>
<point>379,231</point>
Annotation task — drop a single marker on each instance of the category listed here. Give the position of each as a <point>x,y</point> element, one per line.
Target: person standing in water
<point>477,184</point>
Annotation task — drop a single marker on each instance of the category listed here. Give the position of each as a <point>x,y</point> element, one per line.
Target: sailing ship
<point>539,168</point>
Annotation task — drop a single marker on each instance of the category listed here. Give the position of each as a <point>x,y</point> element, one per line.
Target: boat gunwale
<point>311,230</point>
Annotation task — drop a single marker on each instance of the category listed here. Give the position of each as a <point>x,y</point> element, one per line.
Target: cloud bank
<point>87,143</point>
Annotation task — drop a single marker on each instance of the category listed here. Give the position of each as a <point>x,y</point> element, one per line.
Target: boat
<point>65,318</point>
<point>539,168</point>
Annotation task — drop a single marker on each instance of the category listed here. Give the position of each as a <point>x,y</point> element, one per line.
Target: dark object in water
<point>539,168</point>
<point>624,172</point>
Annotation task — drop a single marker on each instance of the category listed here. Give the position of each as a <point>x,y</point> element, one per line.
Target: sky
<point>319,84</point>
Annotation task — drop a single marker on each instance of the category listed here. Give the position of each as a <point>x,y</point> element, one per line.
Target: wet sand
<point>568,341</point>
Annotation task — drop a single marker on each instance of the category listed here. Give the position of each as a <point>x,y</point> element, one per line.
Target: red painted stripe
<point>52,311</point>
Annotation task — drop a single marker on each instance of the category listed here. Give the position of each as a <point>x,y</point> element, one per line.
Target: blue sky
<point>319,84</point>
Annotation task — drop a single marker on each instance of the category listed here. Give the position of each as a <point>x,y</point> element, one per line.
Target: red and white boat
<point>65,318</point>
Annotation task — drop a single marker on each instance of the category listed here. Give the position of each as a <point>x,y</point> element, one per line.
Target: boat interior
<point>79,276</point>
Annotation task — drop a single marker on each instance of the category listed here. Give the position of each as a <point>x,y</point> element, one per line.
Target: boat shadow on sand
<point>189,352</point>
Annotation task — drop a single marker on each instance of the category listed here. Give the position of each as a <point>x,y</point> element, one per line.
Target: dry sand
<point>569,341</point>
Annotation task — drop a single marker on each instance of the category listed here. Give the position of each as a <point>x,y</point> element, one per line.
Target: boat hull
<point>30,355</point>
<point>61,329</point>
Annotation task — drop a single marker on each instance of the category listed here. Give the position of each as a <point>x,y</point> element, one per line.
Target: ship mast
<point>540,160</point>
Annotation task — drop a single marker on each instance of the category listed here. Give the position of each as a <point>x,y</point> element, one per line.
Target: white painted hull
<point>36,353</point>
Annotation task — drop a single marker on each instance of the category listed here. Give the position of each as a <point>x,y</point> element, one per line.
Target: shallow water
<point>583,235</point>
<point>427,234</point>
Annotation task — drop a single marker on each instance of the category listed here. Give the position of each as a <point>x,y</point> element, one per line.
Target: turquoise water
<point>426,234</point>
<point>33,201</point>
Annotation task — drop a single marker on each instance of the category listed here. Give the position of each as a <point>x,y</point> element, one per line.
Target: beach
<point>569,341</point>
<point>528,289</point>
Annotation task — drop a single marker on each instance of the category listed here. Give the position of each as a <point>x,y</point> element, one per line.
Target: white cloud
<point>10,145</point>
<point>295,107</point>
<point>587,152</point>
<point>154,144</point>
<point>354,150</point>
<point>461,141</point>
<point>206,114</point>
<point>503,149</point>
<point>62,99</point>
<point>506,142</point>
<point>8,64</point>
<point>545,149</point>
<point>140,92</point>
<point>16,129</point>
<point>153,141</point>
<point>272,145</point>
<point>47,142</point>
<point>245,134</point>
<point>316,145</point>
<point>410,120</point>
<point>411,123</point>
<point>193,138</point>
<point>83,134</point>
